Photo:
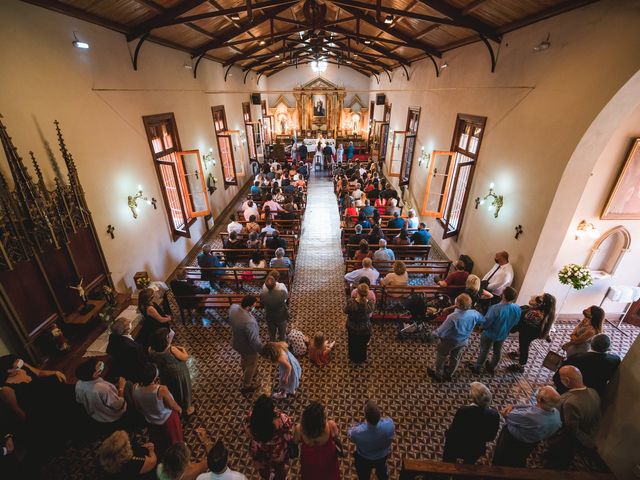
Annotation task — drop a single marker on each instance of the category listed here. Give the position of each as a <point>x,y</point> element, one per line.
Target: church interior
<point>319,239</point>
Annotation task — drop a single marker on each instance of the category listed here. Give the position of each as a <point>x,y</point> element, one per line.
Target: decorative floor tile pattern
<point>394,375</point>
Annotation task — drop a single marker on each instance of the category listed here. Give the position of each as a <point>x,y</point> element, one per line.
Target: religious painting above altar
<point>319,105</point>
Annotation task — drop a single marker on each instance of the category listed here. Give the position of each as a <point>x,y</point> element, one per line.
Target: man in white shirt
<point>268,228</point>
<point>102,401</point>
<point>250,209</point>
<point>366,271</point>
<point>217,460</point>
<point>499,277</point>
<point>357,193</point>
<point>234,225</point>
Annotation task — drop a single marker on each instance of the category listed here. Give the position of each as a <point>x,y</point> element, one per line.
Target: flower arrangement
<point>578,276</point>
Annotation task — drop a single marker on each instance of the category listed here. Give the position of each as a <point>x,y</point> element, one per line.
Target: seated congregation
<point>138,401</point>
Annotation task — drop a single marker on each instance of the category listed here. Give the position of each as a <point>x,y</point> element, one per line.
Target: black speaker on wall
<point>256,99</point>
<point>380,99</point>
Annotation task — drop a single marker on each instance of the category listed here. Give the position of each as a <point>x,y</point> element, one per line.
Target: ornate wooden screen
<point>47,243</point>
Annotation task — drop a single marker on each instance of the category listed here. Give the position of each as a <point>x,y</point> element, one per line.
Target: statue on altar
<point>86,307</point>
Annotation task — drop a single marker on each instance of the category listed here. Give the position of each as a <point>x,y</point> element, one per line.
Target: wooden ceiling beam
<point>463,20</point>
<point>158,21</point>
<point>256,48</point>
<point>405,13</point>
<point>151,5</point>
<point>373,46</point>
<point>429,49</point>
<point>366,73</point>
<point>544,14</point>
<point>245,26</point>
<point>472,6</point>
<point>224,12</point>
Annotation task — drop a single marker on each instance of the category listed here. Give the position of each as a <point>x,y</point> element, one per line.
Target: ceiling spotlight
<point>348,62</point>
<point>235,16</point>
<point>388,19</point>
<point>444,65</point>
<point>79,44</point>
<point>355,55</point>
<point>544,45</point>
<point>324,49</point>
<point>188,66</point>
<point>277,55</point>
<point>301,33</point>
<point>367,42</point>
<point>262,42</point>
<point>284,61</point>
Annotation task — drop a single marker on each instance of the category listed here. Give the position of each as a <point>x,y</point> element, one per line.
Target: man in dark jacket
<point>128,357</point>
<point>302,152</point>
<point>597,366</point>
<point>472,427</point>
<point>276,241</point>
<point>206,259</point>
<point>181,286</point>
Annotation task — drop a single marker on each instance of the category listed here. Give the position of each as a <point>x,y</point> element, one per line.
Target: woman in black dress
<point>359,310</point>
<point>154,317</point>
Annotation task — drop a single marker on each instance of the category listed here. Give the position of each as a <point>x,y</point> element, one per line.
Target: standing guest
<point>372,439</point>
<point>280,261</point>
<point>218,463</point>
<point>245,339</point>
<point>234,225</point>
<point>319,443</point>
<point>499,277</point>
<point>176,463</point>
<point>171,361</point>
<point>580,412</point>
<point>320,349</point>
<point>252,226</point>
<point>153,316</point>
<point>359,312</point>
<point>297,341</point>
<point>499,321</point>
<point>591,325</point>
<point>454,336</point>
<point>457,278</point>
<point>525,427</point>
<point>340,153</point>
<point>289,370</point>
<point>383,254</point>
<point>302,155</point>
<point>399,277</point>
<point>597,365</point>
<point>181,286</point>
<point>121,460</point>
<point>363,251</point>
<point>274,302</point>
<point>251,210</point>
<point>103,401</point>
<point>128,357</point>
<point>351,150</point>
<point>206,259</point>
<point>396,221</point>
<point>357,236</point>
<point>536,321</point>
<point>412,220</point>
<point>422,235</point>
<point>366,271</point>
<point>472,427</point>
<point>155,402</point>
<point>269,431</point>
<point>275,241</point>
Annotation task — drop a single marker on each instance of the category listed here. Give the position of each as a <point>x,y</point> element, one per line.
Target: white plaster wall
<point>538,107</point>
<point>100,100</point>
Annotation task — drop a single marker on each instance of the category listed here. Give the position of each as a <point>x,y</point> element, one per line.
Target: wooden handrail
<point>412,468</point>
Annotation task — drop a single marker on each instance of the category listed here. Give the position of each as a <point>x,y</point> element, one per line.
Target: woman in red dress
<point>319,444</point>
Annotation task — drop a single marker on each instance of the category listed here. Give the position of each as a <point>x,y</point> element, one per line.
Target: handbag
<point>293,449</point>
<point>552,361</point>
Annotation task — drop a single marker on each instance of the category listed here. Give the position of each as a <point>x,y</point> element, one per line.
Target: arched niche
<point>607,252</point>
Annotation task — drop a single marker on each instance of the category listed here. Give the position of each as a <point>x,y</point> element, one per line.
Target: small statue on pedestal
<point>87,307</point>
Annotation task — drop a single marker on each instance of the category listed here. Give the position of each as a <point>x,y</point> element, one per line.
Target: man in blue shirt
<point>373,442</point>
<point>499,321</point>
<point>454,335</point>
<point>255,190</point>
<point>206,259</point>
<point>422,235</point>
<point>525,427</point>
<point>368,209</point>
<point>396,221</point>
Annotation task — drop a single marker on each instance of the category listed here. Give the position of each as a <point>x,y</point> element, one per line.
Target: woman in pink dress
<point>319,444</point>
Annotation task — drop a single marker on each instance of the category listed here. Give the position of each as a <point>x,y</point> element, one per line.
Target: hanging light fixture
<point>389,19</point>
<point>319,66</point>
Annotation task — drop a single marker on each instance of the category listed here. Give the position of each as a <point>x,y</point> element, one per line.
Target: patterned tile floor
<point>395,373</point>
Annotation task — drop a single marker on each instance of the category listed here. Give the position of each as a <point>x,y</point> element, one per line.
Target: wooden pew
<point>241,275</point>
<point>292,240</point>
<point>414,267</point>
<point>431,469</point>
<point>401,252</point>
<point>283,226</point>
<point>245,254</point>
<point>387,296</point>
<point>347,233</point>
<point>217,301</point>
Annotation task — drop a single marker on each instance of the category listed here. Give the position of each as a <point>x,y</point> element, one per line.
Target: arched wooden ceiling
<point>267,36</point>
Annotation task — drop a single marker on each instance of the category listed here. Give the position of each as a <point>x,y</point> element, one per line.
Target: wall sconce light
<point>132,201</point>
<point>585,228</point>
<point>496,201</point>
<point>424,157</point>
<point>208,158</point>
<point>79,43</point>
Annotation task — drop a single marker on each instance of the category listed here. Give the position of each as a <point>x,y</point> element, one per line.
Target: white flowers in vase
<point>578,276</point>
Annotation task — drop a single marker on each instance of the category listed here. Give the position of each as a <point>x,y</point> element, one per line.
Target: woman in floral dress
<point>269,432</point>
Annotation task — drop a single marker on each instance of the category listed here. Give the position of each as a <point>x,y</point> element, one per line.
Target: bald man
<point>580,413</point>
<point>525,427</point>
